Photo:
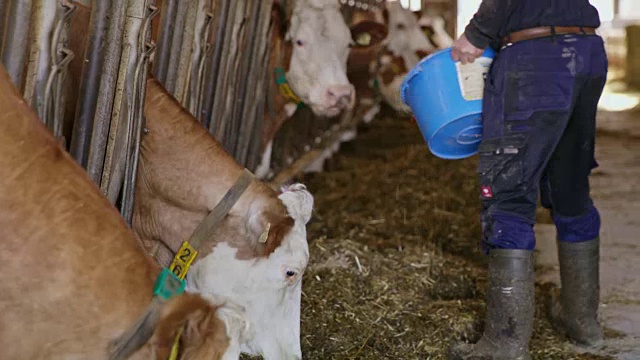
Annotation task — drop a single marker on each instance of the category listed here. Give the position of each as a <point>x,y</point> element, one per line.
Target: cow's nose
<point>341,96</point>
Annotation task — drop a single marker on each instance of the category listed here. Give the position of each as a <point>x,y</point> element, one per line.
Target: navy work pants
<point>539,112</point>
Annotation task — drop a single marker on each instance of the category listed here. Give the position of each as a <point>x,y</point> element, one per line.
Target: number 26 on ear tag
<point>182,261</point>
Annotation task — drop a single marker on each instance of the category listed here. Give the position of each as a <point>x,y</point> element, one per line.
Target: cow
<point>409,37</point>
<point>74,277</point>
<point>256,256</point>
<point>368,34</point>
<point>312,48</point>
<point>406,44</point>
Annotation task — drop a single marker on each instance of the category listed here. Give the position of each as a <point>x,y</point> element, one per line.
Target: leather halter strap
<point>206,227</point>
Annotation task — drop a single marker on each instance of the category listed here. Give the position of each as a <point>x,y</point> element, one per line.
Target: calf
<point>255,257</point>
<point>74,278</point>
<point>309,53</point>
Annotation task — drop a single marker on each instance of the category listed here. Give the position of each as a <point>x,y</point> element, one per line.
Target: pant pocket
<point>500,167</point>
<point>527,93</point>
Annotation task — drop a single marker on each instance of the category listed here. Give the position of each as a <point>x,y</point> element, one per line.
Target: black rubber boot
<point>575,311</point>
<point>509,317</point>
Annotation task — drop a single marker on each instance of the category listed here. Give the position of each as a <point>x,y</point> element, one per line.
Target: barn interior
<point>395,268</point>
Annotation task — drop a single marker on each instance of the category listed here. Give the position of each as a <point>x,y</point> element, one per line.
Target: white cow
<point>255,257</point>
<point>314,51</point>
<point>318,68</point>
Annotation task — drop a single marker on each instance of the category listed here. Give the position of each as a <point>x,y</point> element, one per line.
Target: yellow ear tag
<point>363,39</point>
<point>182,261</point>
<point>395,68</point>
<point>265,234</point>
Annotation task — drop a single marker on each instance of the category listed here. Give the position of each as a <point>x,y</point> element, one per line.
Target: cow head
<point>268,287</point>
<point>406,38</point>
<point>212,328</point>
<point>317,70</point>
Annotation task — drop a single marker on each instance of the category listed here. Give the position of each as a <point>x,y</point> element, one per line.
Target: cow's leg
<point>265,162</point>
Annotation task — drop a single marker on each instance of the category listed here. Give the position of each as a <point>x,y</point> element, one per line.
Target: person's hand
<point>464,51</point>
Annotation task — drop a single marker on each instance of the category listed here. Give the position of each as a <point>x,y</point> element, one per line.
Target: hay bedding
<point>395,272</point>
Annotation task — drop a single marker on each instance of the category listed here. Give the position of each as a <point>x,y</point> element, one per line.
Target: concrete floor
<point>616,192</point>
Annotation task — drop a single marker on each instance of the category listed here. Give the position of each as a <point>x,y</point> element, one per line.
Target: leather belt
<point>545,31</point>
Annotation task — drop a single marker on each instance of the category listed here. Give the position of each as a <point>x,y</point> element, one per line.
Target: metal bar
<point>195,105</point>
<point>43,21</point>
<point>115,154</point>
<point>214,66</point>
<point>16,38</point>
<point>256,77</point>
<point>118,124</point>
<point>218,126</point>
<point>243,80</point>
<point>89,84</point>
<point>136,122</point>
<point>113,46</point>
<point>232,120</point>
<point>189,48</point>
<point>60,57</point>
<point>4,4</point>
<point>161,61</point>
<point>176,43</point>
<point>256,140</point>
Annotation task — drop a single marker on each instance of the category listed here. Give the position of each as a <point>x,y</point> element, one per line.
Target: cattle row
<point>78,281</point>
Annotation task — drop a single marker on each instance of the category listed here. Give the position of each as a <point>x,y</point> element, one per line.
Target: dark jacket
<point>497,18</point>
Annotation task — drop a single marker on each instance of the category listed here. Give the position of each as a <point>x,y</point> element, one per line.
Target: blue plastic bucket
<point>446,100</point>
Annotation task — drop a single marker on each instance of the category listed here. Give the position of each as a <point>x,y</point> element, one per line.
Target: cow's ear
<point>204,335</point>
<point>279,17</point>
<point>274,228</point>
<point>292,28</point>
<point>266,229</point>
<point>298,201</point>
<point>368,33</point>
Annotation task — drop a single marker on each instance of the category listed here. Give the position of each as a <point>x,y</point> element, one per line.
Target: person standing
<point>539,110</point>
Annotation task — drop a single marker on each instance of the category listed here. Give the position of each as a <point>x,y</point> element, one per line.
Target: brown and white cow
<point>74,278</point>
<point>256,256</point>
<point>387,62</point>
<point>312,47</point>
<point>406,44</point>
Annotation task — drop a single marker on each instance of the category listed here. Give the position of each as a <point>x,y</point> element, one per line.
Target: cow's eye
<point>299,42</point>
<point>291,273</point>
<point>400,26</point>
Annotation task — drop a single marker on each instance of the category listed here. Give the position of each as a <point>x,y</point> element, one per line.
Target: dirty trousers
<point>539,111</point>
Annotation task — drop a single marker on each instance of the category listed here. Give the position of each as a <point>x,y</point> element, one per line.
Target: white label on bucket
<point>471,78</point>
